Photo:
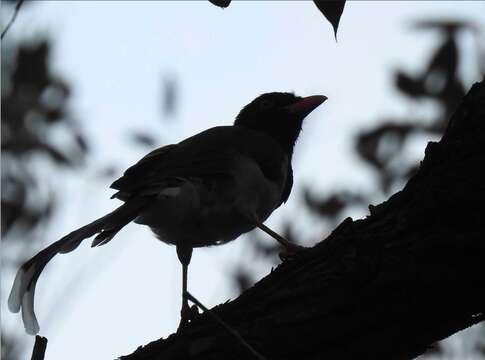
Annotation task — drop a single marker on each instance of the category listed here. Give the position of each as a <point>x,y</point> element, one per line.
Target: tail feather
<point>23,289</point>
<point>105,236</point>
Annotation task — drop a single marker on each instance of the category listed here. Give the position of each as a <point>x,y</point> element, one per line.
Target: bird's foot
<point>187,314</point>
<point>194,312</point>
<point>290,251</point>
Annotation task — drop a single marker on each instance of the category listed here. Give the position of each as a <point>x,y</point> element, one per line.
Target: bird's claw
<point>187,315</point>
<point>290,252</point>
<point>194,312</point>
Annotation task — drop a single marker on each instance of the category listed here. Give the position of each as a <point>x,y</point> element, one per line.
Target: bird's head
<point>279,115</point>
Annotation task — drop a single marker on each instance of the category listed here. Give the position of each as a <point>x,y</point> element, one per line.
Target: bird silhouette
<point>206,190</point>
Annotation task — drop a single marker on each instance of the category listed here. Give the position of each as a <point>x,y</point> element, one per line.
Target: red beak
<point>306,105</point>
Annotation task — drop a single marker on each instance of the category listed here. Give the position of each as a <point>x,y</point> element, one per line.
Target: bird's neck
<point>286,143</point>
<point>285,137</point>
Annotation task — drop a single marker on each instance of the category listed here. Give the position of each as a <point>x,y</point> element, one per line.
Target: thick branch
<point>385,287</point>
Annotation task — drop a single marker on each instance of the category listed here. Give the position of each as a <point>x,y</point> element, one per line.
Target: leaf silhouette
<point>221,3</point>
<point>108,171</point>
<point>144,139</point>
<point>81,142</point>
<point>243,280</point>
<point>332,10</point>
<point>331,206</point>
<point>411,86</point>
<point>169,95</point>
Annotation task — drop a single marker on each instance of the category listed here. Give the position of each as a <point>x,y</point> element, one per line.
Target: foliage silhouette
<point>331,9</point>
<point>221,3</point>
<point>35,106</point>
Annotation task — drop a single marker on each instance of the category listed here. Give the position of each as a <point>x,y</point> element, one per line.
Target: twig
<point>226,327</point>
<point>39,348</point>
<point>14,16</point>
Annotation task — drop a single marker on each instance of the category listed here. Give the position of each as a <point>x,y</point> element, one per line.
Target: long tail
<point>23,289</point>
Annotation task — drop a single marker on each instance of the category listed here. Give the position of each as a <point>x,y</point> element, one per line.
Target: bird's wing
<point>208,155</point>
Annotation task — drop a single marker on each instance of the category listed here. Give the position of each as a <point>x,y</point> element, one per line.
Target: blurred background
<point>88,88</point>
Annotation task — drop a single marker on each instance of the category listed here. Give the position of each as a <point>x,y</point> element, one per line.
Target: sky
<point>115,54</point>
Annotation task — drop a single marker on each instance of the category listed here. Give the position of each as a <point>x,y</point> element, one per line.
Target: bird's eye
<point>266,104</point>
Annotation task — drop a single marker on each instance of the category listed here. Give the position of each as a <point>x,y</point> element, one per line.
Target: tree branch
<point>14,16</point>
<point>385,287</point>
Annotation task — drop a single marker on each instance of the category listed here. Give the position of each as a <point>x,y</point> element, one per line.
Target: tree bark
<point>384,287</point>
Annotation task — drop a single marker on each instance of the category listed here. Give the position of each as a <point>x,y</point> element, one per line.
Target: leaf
<point>81,142</point>
<point>243,280</point>
<point>144,139</point>
<point>108,171</point>
<point>221,3</point>
<point>56,155</point>
<point>332,10</point>
<point>410,86</point>
<point>443,66</point>
<point>169,96</point>
<point>31,69</point>
<point>332,205</point>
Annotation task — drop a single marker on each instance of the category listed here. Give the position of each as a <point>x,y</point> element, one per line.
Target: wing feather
<point>207,155</point>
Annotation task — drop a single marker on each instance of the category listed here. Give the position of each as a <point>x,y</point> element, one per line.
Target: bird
<point>205,190</point>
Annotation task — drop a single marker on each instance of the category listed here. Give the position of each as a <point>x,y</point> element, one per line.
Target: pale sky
<point>115,55</point>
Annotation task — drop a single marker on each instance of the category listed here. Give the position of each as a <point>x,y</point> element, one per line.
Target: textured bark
<point>385,287</point>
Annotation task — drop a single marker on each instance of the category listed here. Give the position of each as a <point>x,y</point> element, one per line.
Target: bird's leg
<point>185,311</point>
<point>290,248</point>
<point>184,253</point>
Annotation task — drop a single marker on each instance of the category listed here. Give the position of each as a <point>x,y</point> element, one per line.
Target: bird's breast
<point>214,211</point>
